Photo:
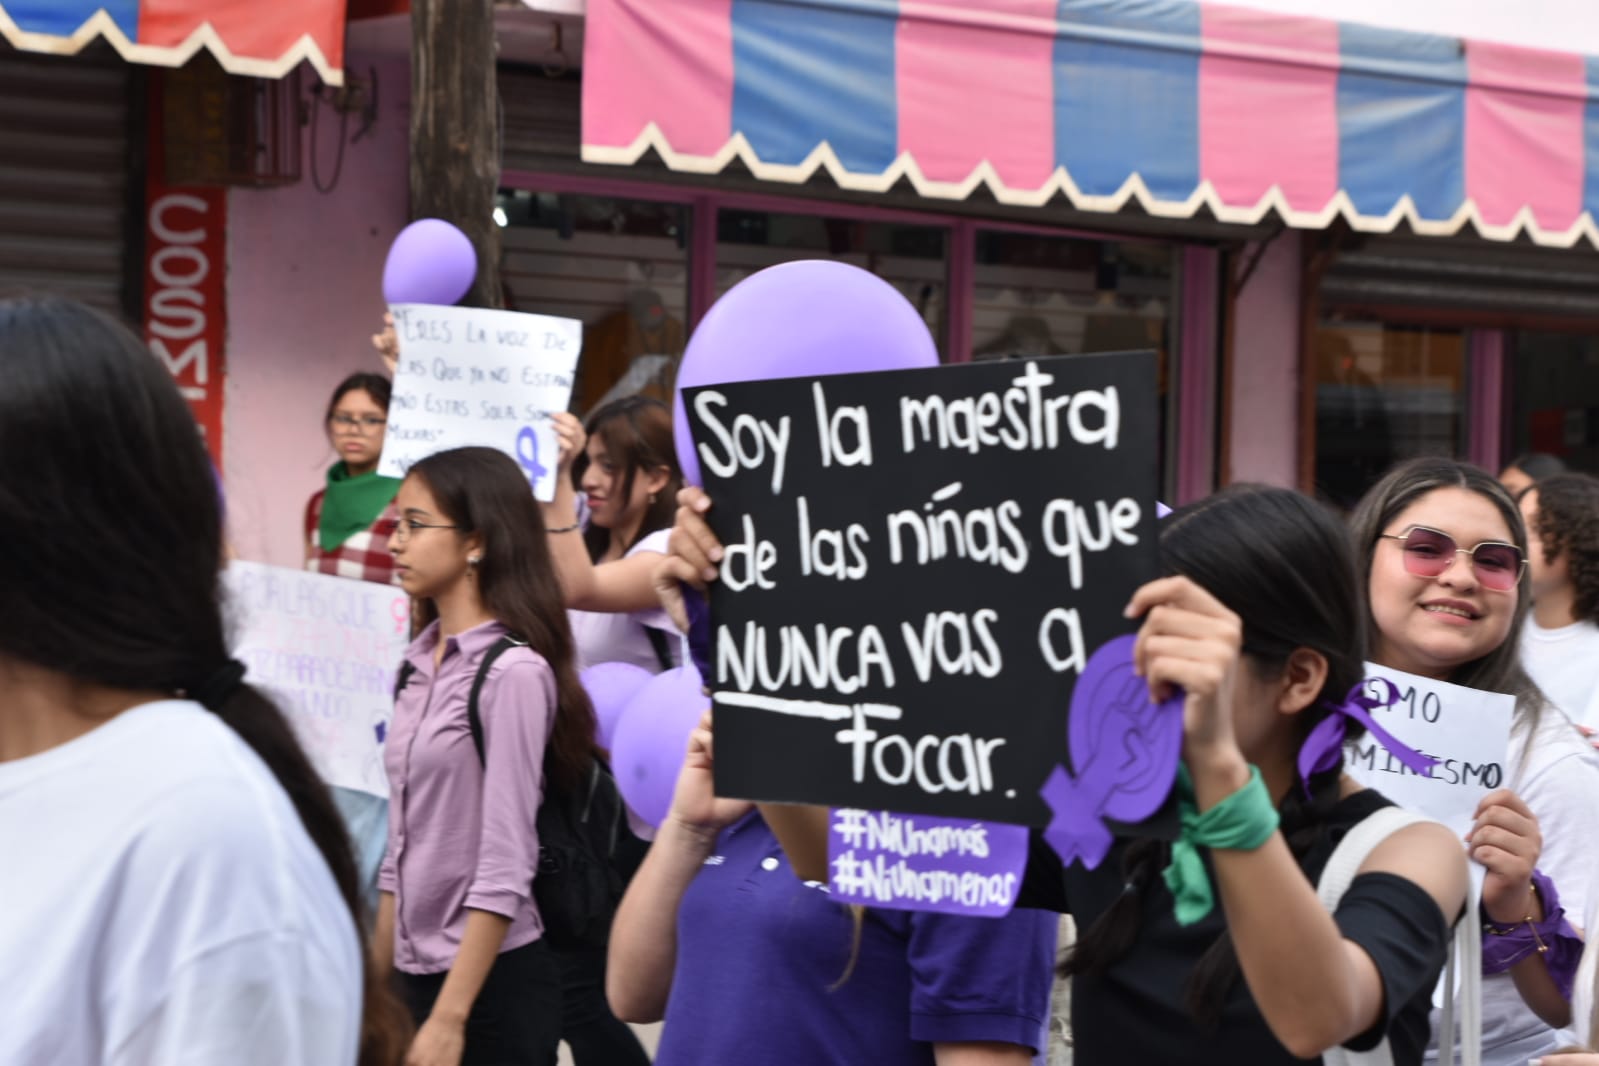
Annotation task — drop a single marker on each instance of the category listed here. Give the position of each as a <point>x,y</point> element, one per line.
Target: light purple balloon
<point>801,319</point>
<point>652,738</point>
<point>430,262</point>
<point>611,687</point>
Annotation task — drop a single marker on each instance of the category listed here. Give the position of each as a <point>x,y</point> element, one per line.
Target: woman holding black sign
<point>456,914</point>
<point>1259,622</point>
<point>747,964</point>
<point>1455,619</point>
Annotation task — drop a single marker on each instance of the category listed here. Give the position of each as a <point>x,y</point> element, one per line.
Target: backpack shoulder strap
<point>1356,846</point>
<point>473,720</point>
<point>1465,949</point>
<point>403,678</point>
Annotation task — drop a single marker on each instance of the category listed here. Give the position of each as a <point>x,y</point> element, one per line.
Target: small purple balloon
<point>611,687</point>
<point>802,319</point>
<point>652,738</point>
<point>430,262</point>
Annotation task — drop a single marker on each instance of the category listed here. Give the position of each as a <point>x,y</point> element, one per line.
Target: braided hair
<point>1284,565</point>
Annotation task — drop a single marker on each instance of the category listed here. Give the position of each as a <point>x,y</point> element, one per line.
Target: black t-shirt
<point>1136,1011</point>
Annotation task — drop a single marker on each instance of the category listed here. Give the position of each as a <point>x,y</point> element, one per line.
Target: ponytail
<point>112,555</point>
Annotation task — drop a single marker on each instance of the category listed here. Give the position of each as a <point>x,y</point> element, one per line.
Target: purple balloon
<point>801,319</point>
<point>652,738</point>
<point>430,262</point>
<point>611,687</point>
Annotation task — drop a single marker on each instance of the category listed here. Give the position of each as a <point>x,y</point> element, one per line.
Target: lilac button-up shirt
<point>462,836</point>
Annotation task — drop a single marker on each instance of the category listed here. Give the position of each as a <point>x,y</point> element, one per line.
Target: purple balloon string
<point>1324,748</point>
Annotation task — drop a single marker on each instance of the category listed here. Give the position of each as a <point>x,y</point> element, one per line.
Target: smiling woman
<point>348,523</point>
<point>1444,549</point>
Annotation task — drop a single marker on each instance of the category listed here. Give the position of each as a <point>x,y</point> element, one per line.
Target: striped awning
<point>1175,106</point>
<point>258,38</point>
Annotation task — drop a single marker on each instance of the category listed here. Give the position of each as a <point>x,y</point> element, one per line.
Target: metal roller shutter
<point>64,176</point>
<point>1517,281</point>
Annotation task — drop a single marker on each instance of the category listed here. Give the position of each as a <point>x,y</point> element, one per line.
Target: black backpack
<point>587,854</point>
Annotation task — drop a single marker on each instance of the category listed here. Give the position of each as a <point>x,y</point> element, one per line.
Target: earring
<point>652,499</point>
<point>473,560</point>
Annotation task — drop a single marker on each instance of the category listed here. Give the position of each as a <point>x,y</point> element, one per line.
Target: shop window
<point>911,258</point>
<point>621,266</point>
<point>1383,394</point>
<point>1037,294</point>
<point>1555,397</point>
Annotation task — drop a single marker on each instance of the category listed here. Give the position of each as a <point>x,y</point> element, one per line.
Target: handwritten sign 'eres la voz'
<point>469,376</point>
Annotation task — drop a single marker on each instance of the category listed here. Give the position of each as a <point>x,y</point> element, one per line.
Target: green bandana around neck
<point>352,504</point>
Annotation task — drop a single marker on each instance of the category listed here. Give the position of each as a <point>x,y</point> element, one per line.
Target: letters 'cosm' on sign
<point>918,565</point>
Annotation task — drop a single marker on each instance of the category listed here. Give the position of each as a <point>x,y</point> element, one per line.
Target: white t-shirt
<point>161,904</point>
<point>608,637</point>
<point>1560,784</point>
<point>1564,662</point>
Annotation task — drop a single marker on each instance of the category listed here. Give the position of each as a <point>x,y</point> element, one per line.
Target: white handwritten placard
<point>327,650</point>
<point>1465,729</point>
<point>922,863</point>
<point>469,376</point>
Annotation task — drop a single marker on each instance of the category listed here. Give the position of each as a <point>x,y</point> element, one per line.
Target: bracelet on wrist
<point>564,529</point>
<point>1552,939</point>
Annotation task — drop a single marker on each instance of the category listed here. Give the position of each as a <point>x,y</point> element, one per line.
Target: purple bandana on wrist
<point>1324,748</point>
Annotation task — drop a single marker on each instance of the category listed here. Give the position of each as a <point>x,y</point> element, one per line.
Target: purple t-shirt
<point>759,954</point>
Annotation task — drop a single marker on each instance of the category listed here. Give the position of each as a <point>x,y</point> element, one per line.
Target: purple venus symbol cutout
<point>1125,749</point>
<point>527,454</point>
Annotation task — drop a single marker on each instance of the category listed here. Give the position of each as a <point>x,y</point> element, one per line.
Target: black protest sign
<point>919,563</point>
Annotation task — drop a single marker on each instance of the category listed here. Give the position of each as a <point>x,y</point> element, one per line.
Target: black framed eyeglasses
<point>362,425</point>
<point>407,526</point>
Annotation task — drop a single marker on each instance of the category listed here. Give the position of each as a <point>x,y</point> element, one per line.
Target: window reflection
<point>1383,393</point>
<point>910,258</point>
<point>621,266</point>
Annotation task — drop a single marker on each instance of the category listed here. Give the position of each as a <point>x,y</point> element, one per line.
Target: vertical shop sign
<point>185,272</point>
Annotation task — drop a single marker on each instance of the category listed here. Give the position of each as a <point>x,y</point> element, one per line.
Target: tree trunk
<point>455,131</point>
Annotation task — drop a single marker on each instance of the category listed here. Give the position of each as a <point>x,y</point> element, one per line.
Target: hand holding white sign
<point>468,376</point>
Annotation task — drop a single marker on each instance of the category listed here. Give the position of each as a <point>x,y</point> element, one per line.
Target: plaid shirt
<point>365,556</point>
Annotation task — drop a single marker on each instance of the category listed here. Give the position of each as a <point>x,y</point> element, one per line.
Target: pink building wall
<point>1264,405</point>
<point>304,273</point>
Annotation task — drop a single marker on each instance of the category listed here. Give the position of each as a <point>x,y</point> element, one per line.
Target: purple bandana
<point>1324,748</point>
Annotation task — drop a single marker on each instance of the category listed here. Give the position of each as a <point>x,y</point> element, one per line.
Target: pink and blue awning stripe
<point>1175,106</point>
<point>259,38</point>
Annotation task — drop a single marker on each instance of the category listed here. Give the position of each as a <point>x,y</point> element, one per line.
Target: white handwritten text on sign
<point>327,650</point>
<point>469,376</point>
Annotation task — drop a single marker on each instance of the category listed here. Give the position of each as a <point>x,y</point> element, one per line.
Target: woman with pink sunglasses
<point>1445,550</point>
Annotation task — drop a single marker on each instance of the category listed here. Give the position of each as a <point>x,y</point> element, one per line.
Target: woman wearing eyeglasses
<point>1444,549</point>
<point>456,914</point>
<point>348,523</point>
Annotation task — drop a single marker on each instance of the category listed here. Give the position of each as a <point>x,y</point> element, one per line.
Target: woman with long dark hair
<point>1219,948</point>
<point>624,464</point>
<point>1443,551</point>
<point>456,914</point>
<point>349,520</point>
<point>177,886</point>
